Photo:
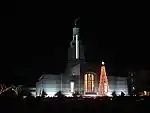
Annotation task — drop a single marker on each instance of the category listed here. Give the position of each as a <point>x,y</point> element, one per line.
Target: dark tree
<point>59,94</point>
<point>114,94</point>
<point>76,94</point>
<point>44,94</point>
<point>122,93</point>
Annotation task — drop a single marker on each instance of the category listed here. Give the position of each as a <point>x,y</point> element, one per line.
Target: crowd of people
<point>9,102</point>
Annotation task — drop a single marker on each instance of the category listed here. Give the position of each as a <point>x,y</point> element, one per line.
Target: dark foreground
<point>75,105</point>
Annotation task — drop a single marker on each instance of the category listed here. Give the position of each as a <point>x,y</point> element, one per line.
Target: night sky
<point>33,46</point>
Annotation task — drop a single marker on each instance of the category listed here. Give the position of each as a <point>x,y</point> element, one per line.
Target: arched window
<point>89,82</point>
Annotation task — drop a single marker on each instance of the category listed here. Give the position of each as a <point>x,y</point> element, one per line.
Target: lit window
<point>89,82</point>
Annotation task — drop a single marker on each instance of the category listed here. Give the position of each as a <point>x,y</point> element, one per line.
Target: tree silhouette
<point>122,93</point>
<point>76,94</point>
<point>44,94</point>
<point>59,94</point>
<point>114,94</point>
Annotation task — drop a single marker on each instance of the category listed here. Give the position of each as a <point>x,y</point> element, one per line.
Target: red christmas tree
<point>103,83</point>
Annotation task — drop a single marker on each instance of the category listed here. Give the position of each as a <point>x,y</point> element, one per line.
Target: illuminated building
<point>79,75</point>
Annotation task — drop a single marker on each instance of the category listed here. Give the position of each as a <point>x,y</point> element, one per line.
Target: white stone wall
<point>49,83</point>
<point>76,70</point>
<point>117,84</point>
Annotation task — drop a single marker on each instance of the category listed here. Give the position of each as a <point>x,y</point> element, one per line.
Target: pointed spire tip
<point>76,20</point>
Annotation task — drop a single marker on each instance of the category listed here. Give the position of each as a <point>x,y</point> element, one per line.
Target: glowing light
<point>72,86</point>
<point>89,83</point>
<point>103,83</point>
<point>105,87</point>
<point>85,83</point>
<point>144,92</point>
<point>51,94</point>
<point>103,63</point>
<point>77,47</point>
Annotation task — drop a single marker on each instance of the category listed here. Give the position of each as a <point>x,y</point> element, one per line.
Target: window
<point>89,82</point>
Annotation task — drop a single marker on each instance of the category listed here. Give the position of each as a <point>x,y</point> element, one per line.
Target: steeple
<point>75,39</point>
<point>76,51</point>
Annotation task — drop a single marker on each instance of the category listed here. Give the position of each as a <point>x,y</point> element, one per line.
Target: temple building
<point>81,76</point>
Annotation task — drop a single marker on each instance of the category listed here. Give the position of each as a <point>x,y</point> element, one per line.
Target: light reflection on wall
<point>85,82</point>
<point>72,86</point>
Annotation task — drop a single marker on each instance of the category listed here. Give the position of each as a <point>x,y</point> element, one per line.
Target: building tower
<point>76,59</point>
<point>76,51</point>
<point>103,83</point>
<point>75,36</point>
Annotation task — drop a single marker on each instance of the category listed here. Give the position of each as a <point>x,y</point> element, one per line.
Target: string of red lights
<point>103,83</point>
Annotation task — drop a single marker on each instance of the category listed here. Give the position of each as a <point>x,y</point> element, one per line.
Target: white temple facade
<point>73,79</point>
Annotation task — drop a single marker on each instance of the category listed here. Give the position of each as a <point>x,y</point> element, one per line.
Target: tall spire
<point>76,48</point>
<point>75,37</point>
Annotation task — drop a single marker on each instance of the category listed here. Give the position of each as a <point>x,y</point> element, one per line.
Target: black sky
<point>33,45</point>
